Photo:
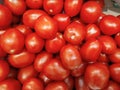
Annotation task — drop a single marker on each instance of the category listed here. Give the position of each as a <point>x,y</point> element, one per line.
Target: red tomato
<point>109,25</point>
<point>26,72</point>
<point>22,59</point>
<point>10,84</point>
<point>117,39</point>
<point>17,7</point>
<point>103,58</point>
<point>46,27</point>
<point>34,43</point>
<point>92,31</point>
<point>70,57</point>
<point>53,7</point>
<point>75,33</point>
<point>91,50</point>
<point>12,41</point>
<point>108,44</point>
<point>34,4</point>
<point>5,17</point>
<point>30,16</point>
<point>58,85</point>
<point>63,21</point>
<point>55,70</point>
<point>97,76</point>
<point>90,12</point>
<point>115,72</point>
<point>72,7</point>
<point>54,45</point>
<point>4,70</point>
<point>41,59</point>
<point>33,84</point>
<point>2,52</point>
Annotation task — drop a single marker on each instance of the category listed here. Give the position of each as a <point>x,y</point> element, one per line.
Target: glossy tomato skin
<point>33,84</point>
<point>53,7</point>
<point>5,17</point>
<point>103,58</point>
<point>97,76</point>
<point>12,41</point>
<point>55,70</point>
<point>34,4</point>
<point>22,59</point>
<point>55,44</point>
<point>34,43</point>
<point>63,21</point>
<point>10,84</point>
<point>5,69</point>
<point>108,44</point>
<point>115,72</point>
<point>117,39</point>
<point>75,33</point>
<point>91,50</point>
<point>57,85</point>
<point>26,72</point>
<point>109,25</point>
<point>90,12</point>
<point>46,27</point>
<point>72,7</point>
<point>41,59</point>
<point>16,7</point>
<point>70,57</point>
<point>30,16</point>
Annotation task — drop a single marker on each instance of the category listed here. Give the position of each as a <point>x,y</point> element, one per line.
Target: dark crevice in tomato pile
<point>58,45</point>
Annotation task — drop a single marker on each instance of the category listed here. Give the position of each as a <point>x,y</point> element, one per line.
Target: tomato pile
<point>58,45</point>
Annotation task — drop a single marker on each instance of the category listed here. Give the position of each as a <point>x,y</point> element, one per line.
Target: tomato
<point>90,12</point>
<point>30,16</point>
<point>41,59</point>
<point>55,70</point>
<point>117,39</point>
<point>2,52</point>
<point>53,7</point>
<point>92,31</point>
<point>58,85</point>
<point>54,45</point>
<point>10,84</point>
<point>22,59</point>
<point>63,21</point>
<point>33,84</point>
<point>6,17</point>
<point>70,57</point>
<point>46,27</point>
<point>72,7</point>
<point>12,41</point>
<point>34,43</point>
<point>108,44</point>
<point>75,33</point>
<point>17,7</point>
<point>97,76</point>
<point>103,58</point>
<point>91,50</point>
<point>5,69</point>
<point>34,4</point>
<point>109,25</point>
<point>115,72</point>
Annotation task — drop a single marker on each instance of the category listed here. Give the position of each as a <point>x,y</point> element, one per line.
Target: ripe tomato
<point>90,12</point>
<point>109,25</point>
<point>72,7</point>
<point>30,16</point>
<point>117,39</point>
<point>97,76</point>
<point>46,27</point>
<point>22,59</point>
<point>103,58</point>
<point>17,7</point>
<point>34,4</point>
<point>33,84</point>
<point>12,41</point>
<point>53,7</point>
<point>70,57</point>
<point>2,52</point>
<point>34,43</point>
<point>75,33</point>
<point>5,17</point>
